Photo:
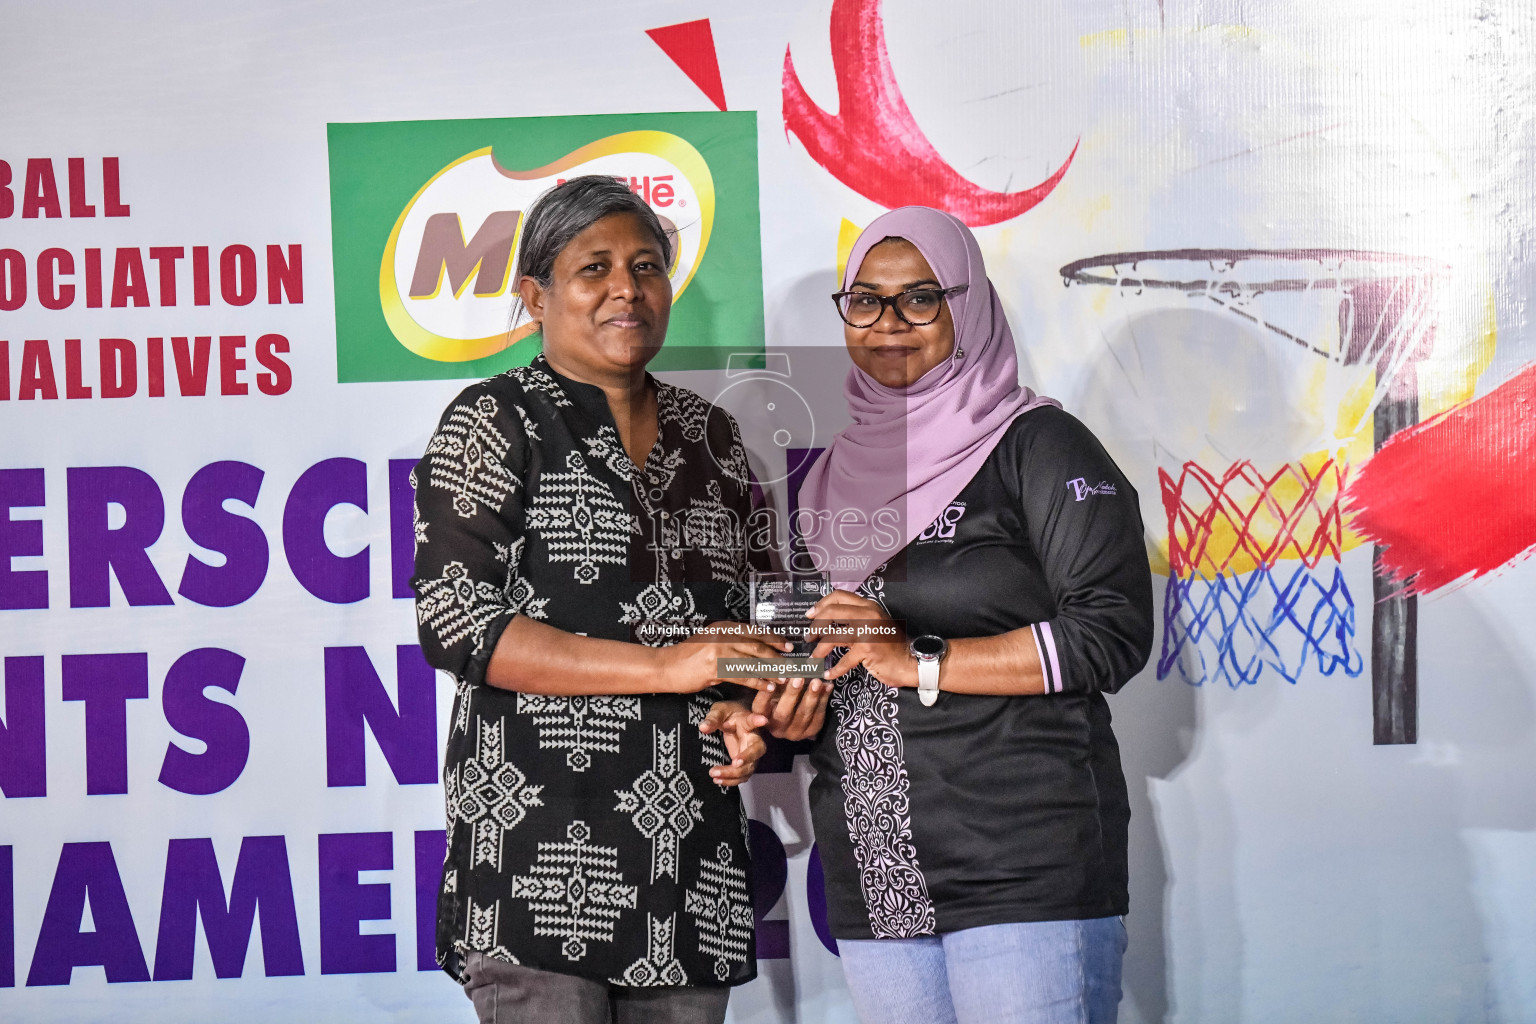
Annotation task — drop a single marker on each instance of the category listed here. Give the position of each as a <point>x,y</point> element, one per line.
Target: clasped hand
<point>796,708</point>
<point>872,638</point>
<point>694,665</point>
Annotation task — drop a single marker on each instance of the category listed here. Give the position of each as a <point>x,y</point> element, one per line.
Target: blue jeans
<point>1047,972</point>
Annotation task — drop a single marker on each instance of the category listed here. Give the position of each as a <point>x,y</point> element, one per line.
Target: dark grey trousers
<point>506,993</point>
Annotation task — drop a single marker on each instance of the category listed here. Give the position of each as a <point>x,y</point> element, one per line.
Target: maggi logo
<point>430,245</point>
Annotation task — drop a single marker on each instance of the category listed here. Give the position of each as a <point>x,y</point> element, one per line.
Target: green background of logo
<point>377,167</point>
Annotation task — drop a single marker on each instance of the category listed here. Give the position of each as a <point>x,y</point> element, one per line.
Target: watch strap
<point>928,681</point>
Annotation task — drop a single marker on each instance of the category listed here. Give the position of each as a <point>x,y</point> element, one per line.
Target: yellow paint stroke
<point>1091,211</point>
<point>1113,39</point>
<point>847,233</point>
<point>1352,409</point>
<point>1122,39</point>
<point>1448,382</point>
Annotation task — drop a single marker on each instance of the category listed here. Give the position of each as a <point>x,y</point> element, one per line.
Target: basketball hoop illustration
<point>1328,342</point>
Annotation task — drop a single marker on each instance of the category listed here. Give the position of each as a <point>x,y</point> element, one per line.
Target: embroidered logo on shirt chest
<point>943,527</point>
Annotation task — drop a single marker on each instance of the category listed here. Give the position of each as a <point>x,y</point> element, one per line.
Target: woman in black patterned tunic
<point>576,518</point>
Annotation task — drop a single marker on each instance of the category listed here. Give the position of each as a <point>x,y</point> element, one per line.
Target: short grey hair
<point>567,210</point>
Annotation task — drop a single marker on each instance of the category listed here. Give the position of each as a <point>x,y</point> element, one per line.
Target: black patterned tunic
<point>585,835</point>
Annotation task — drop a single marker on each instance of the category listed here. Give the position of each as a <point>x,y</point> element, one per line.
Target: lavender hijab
<point>914,450</point>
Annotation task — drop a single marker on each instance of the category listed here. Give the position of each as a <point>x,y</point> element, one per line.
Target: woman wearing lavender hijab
<point>969,803</point>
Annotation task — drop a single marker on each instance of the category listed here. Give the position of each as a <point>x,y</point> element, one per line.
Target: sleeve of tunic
<point>1082,517</point>
<point>469,530</point>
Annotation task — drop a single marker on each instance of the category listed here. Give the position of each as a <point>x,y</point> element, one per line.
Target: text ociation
<point>157,362</point>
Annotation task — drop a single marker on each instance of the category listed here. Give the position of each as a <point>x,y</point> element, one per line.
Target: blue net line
<point>1238,628</point>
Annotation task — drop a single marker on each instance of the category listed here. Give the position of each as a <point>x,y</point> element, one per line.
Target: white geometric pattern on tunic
<point>657,605</point>
<point>529,427</point>
<point>661,471</point>
<point>710,527</point>
<point>489,793</point>
<point>481,928</point>
<point>518,592</point>
<point>419,526</point>
<point>455,606</point>
<point>736,598</point>
<point>690,413</point>
<point>683,409</point>
<point>580,724</point>
<point>734,462</point>
<point>711,744</point>
<point>659,966</point>
<point>481,925</point>
<point>534,379</point>
<point>723,911</point>
<point>466,456</point>
<point>576,891</point>
<point>580,519</point>
<point>878,809</point>
<point>661,803</point>
<point>461,690</point>
<point>608,449</point>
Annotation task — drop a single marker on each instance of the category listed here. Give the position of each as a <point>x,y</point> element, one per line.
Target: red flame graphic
<point>890,161</point>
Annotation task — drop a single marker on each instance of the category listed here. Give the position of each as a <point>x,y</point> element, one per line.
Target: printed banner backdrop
<point>1277,255</point>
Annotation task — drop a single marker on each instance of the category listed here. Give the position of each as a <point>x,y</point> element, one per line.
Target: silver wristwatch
<point>929,651</point>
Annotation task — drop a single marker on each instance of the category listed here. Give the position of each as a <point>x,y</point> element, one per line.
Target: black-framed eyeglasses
<point>916,306</point>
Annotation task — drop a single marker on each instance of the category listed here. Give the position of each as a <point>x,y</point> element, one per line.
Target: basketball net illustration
<point>1298,354</point>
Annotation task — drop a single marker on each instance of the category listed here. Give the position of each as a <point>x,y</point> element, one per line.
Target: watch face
<point>928,646</point>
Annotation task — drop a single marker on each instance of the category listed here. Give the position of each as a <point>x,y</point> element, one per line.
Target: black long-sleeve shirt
<point>987,810</point>
<point>585,835</point>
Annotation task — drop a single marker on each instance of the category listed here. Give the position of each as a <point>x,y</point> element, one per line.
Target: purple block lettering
<point>218,725</point>
<point>193,887</point>
<point>23,736</point>
<point>106,682</point>
<point>402,527</point>
<point>344,903</point>
<point>8,918</point>
<point>321,488</point>
<point>21,488</point>
<point>237,538</point>
<point>431,851</point>
<point>87,871</point>
<point>770,873</point>
<point>95,552</point>
<point>355,696</point>
<point>816,899</point>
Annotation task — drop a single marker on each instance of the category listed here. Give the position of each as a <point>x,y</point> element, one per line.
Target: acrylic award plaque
<point>779,601</point>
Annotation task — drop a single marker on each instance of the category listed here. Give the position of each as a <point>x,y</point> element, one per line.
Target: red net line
<point>1293,513</point>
